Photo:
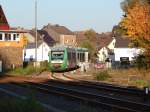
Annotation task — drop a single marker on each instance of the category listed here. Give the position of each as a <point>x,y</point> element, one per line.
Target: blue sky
<point>100,15</point>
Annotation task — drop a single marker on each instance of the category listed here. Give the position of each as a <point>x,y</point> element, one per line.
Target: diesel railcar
<point>65,58</point>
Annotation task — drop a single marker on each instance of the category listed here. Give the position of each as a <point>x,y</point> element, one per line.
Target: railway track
<point>108,88</point>
<point>98,100</point>
<point>103,100</point>
<point>60,76</point>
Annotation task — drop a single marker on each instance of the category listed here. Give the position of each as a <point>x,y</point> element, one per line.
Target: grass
<point>29,70</point>
<point>124,77</point>
<point>16,105</point>
<point>102,75</point>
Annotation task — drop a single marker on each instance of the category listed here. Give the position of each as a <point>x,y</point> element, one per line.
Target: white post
<point>35,32</point>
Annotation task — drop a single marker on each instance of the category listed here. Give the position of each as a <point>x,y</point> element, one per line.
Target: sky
<point>77,15</point>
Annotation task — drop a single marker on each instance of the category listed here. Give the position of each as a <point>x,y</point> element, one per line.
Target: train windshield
<point>57,55</point>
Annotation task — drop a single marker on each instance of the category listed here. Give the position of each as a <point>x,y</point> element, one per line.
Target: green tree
<point>90,43</point>
<point>87,44</point>
<point>90,35</point>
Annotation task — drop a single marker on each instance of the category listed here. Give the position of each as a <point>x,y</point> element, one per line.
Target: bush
<point>143,62</point>
<point>102,75</point>
<point>13,105</point>
<point>140,83</point>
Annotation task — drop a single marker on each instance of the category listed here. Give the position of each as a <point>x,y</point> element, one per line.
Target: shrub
<point>143,62</point>
<point>102,75</point>
<point>140,83</point>
<point>15,105</point>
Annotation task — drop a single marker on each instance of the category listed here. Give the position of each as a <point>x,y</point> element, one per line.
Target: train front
<point>57,60</point>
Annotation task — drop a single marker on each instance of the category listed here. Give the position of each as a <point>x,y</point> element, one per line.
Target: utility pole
<point>35,33</point>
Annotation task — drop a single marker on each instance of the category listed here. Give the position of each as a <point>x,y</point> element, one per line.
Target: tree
<point>87,44</point>
<point>126,4</point>
<point>90,34</point>
<point>137,25</point>
<point>90,43</point>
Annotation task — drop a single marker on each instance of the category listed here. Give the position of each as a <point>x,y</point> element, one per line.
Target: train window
<point>69,56</point>
<point>57,55</point>
<point>82,57</point>
<point>74,56</point>
<point>78,57</point>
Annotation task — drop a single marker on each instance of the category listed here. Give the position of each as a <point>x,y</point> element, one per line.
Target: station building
<point>12,42</point>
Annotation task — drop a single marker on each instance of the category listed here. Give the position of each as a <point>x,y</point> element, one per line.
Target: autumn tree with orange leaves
<point>136,23</point>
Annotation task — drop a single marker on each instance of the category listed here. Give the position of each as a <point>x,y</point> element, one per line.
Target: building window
<point>14,36</point>
<point>66,41</point>
<point>1,36</point>
<point>7,37</point>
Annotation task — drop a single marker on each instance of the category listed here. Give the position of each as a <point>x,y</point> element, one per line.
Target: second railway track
<point>129,92</point>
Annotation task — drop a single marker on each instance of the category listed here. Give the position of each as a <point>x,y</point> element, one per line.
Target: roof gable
<point>104,41</point>
<point>43,36</point>
<point>62,30</point>
<point>122,42</point>
<point>3,21</point>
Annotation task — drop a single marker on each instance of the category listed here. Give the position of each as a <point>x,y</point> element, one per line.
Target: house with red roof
<point>3,21</point>
<point>11,44</point>
<point>105,48</point>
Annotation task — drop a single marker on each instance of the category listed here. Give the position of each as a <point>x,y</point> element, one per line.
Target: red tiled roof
<point>3,21</point>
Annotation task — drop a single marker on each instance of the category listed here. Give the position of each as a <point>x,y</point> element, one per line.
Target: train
<point>65,58</point>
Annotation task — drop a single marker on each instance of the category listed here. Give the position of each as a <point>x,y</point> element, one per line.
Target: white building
<point>42,52</point>
<point>126,52</point>
<point>44,42</point>
<point>122,49</point>
<point>106,49</point>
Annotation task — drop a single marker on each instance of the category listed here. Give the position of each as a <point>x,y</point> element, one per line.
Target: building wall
<point>126,52</point>
<point>11,57</point>
<point>112,44</point>
<point>68,40</point>
<point>102,54</point>
<point>30,38</point>
<point>18,43</point>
